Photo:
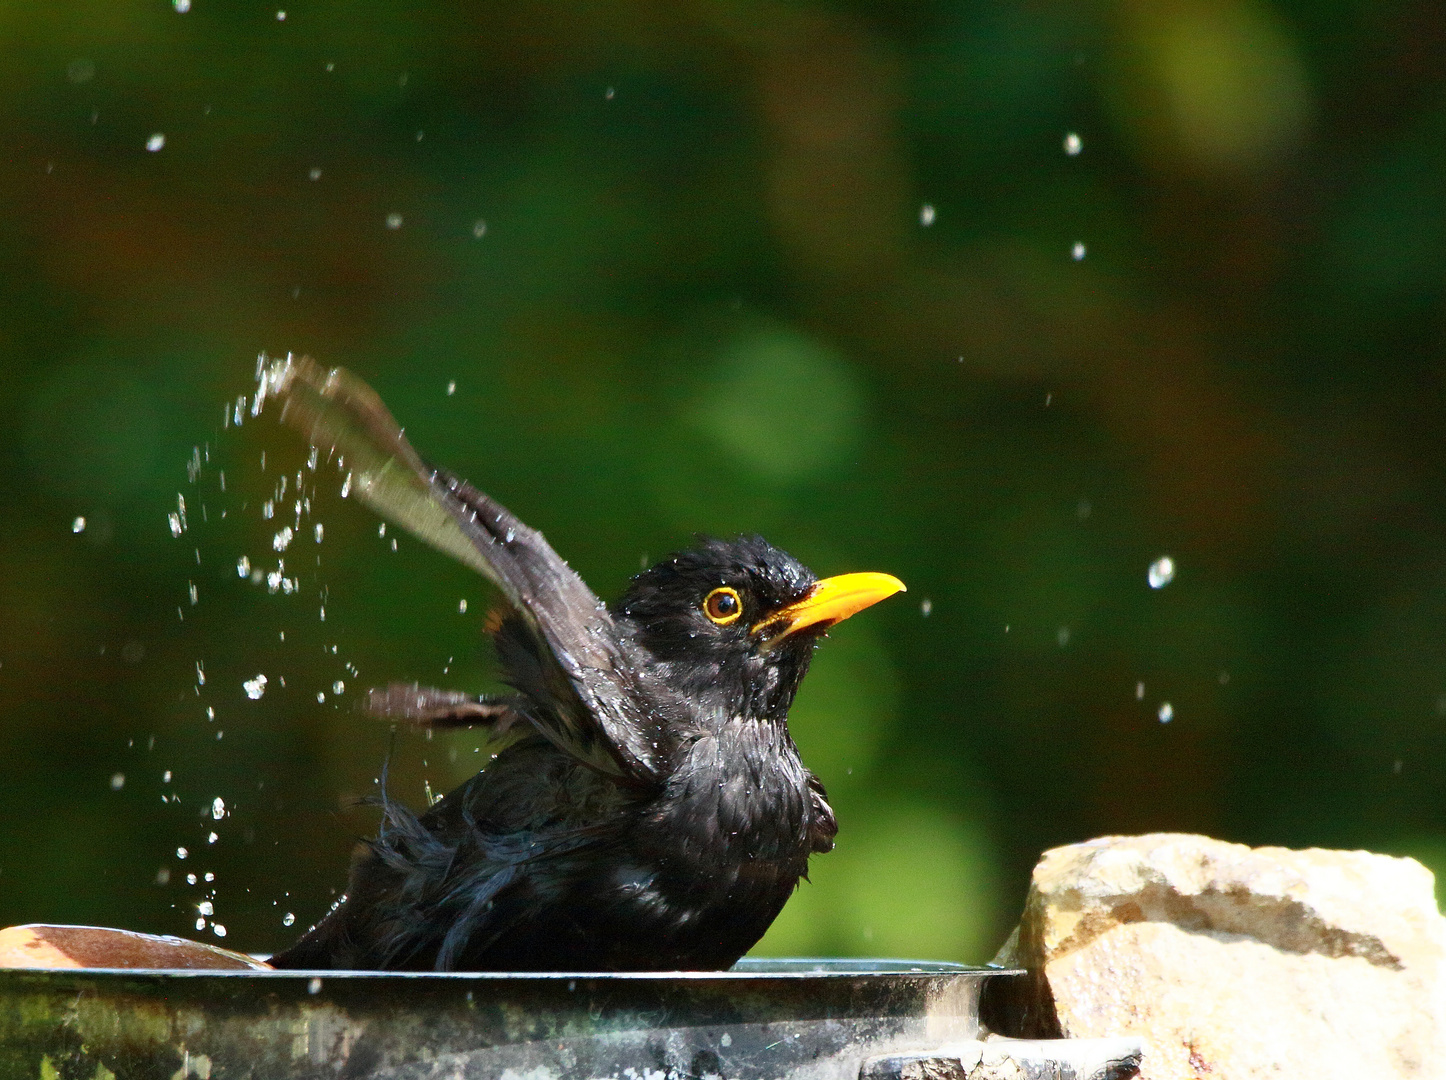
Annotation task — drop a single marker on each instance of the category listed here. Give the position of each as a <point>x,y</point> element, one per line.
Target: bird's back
<point>540,863</point>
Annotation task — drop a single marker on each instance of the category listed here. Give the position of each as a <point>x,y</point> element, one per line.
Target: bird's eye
<point>723,606</point>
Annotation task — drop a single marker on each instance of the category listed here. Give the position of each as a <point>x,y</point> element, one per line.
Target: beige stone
<point>1235,962</point>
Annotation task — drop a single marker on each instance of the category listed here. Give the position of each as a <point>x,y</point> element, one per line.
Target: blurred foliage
<point>807,269</point>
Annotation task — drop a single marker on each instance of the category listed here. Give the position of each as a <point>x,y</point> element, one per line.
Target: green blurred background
<point>832,272</point>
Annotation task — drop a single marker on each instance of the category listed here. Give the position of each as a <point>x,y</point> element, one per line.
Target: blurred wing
<point>598,708</point>
<point>427,707</point>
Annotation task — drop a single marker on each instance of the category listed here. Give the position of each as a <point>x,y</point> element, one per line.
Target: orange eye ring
<point>723,606</point>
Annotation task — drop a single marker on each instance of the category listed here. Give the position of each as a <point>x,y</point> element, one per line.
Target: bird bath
<point>813,1018</point>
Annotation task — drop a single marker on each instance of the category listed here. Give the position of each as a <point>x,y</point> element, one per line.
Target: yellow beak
<point>830,601</point>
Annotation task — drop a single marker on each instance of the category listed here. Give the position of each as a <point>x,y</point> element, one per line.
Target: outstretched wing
<point>600,706</point>
<point>427,707</point>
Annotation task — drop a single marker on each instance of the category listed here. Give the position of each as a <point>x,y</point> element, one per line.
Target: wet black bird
<point>648,809</point>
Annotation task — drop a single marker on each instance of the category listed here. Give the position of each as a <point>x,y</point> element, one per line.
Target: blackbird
<point>647,808</point>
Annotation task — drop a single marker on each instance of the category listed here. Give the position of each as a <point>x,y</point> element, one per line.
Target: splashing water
<point>1161,572</point>
<point>255,687</point>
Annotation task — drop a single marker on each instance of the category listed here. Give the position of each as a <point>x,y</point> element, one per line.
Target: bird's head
<point>734,623</point>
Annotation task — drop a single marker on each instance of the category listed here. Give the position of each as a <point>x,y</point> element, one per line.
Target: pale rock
<point>1234,962</point>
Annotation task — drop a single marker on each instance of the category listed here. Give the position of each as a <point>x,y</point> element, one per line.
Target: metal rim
<point>746,969</point>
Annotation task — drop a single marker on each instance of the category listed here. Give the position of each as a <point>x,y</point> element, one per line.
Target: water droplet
<point>510,536</point>
<point>318,532</point>
<point>218,808</point>
<point>181,853</point>
<point>314,986</point>
<point>1161,572</point>
<point>338,687</point>
<point>163,876</point>
<point>210,713</point>
<point>609,93</point>
<point>280,17</point>
<point>1166,713</point>
<point>118,781</point>
<point>382,529</point>
<point>288,919</point>
<point>210,876</point>
<point>451,387</point>
<point>346,486</point>
<point>926,607</point>
<point>1139,691</point>
<point>205,907</point>
<point>166,777</point>
<point>201,923</point>
<point>243,567</point>
<point>1073,144</point>
<point>155,142</point>
<point>462,606</point>
<point>255,687</point>
<point>218,930</point>
<point>181,6</point>
<point>394,221</point>
<point>190,879</point>
<point>193,593</point>
<point>282,540</point>
<point>926,215</point>
<point>1077,253</point>
<point>479,228</point>
<point>320,696</point>
<point>174,520</point>
<point>268,509</point>
<point>314,174</point>
<point>1062,636</point>
<point>78,525</point>
<point>211,838</point>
